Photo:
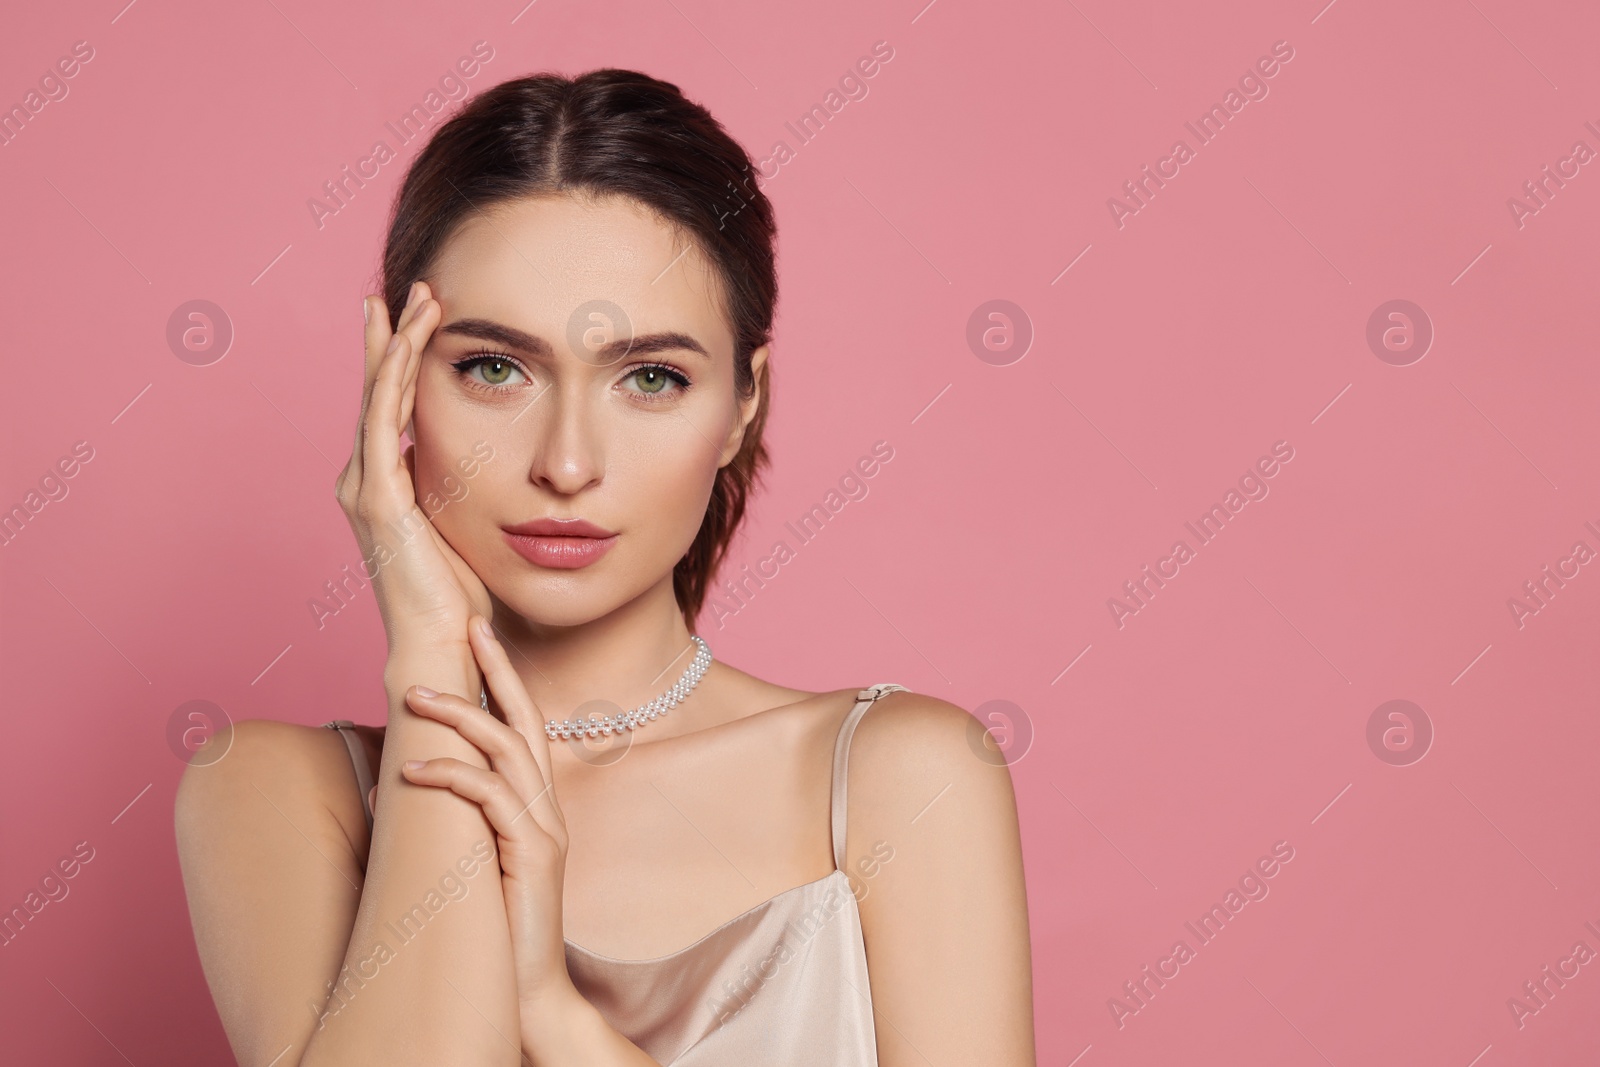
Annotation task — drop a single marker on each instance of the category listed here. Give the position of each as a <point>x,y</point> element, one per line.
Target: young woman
<point>719,870</point>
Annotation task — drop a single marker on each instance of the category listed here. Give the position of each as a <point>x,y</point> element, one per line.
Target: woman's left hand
<point>517,795</point>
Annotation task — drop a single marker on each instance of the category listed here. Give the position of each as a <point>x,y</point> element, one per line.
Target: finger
<point>379,334</point>
<point>376,340</point>
<point>506,748</point>
<point>507,812</point>
<point>377,324</point>
<point>381,443</point>
<point>425,317</point>
<point>406,313</point>
<point>408,388</point>
<point>377,343</point>
<point>505,686</point>
<point>416,323</point>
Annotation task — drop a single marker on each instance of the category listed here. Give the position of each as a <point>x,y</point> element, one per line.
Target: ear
<point>747,408</point>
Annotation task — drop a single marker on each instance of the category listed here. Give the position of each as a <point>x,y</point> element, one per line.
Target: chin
<point>557,604</point>
<point>558,598</point>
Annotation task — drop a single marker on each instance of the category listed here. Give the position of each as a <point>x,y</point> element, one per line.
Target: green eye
<point>650,379</point>
<point>496,371</point>
<point>485,371</point>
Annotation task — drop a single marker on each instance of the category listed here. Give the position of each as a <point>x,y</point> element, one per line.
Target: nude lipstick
<point>560,544</point>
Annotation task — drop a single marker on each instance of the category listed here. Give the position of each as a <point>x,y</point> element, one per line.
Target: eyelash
<point>464,366</point>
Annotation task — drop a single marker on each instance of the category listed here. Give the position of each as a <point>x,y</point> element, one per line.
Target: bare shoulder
<point>265,825</point>
<point>911,740</point>
<point>926,777</point>
<point>935,854</point>
<point>260,764</point>
<point>906,741</point>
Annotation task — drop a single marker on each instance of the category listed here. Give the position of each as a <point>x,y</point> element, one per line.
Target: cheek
<point>444,493</point>
<point>464,509</point>
<point>451,484</point>
<point>666,484</point>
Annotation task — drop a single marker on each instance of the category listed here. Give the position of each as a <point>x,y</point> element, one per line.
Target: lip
<point>573,527</point>
<point>560,544</point>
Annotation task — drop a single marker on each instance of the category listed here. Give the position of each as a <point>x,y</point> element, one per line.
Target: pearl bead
<point>607,725</point>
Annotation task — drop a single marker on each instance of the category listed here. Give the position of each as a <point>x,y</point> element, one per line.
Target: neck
<point>626,657</point>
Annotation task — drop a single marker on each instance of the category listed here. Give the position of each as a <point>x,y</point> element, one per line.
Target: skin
<point>705,813</point>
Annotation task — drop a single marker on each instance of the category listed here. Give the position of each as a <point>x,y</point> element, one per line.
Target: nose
<point>568,446</point>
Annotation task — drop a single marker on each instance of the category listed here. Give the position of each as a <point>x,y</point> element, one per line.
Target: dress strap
<point>358,757</point>
<point>841,754</point>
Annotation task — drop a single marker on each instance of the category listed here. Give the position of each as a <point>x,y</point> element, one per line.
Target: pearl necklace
<point>606,725</point>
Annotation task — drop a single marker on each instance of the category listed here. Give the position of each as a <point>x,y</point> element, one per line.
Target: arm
<point>274,886</point>
<point>945,919</point>
<point>430,975</point>
<point>558,1027</point>
<point>442,988</point>
<point>308,962</point>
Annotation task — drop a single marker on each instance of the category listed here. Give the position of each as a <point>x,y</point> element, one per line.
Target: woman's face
<point>628,438</point>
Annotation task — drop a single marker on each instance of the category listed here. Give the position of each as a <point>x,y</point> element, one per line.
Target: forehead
<point>535,263</point>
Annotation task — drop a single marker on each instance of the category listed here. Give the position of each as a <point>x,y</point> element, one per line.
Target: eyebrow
<point>647,344</point>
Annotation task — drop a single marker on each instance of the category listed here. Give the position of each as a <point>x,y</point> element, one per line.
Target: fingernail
<point>366,310</point>
<point>411,296</point>
<point>483,628</point>
<point>413,764</point>
<point>424,691</point>
<point>394,343</point>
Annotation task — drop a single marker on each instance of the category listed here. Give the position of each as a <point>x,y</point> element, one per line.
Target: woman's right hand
<point>425,590</point>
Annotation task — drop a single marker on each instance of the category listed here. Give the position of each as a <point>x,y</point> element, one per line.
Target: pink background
<point>1228,314</point>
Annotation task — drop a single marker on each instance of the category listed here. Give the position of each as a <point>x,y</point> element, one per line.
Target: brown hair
<point>611,132</point>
